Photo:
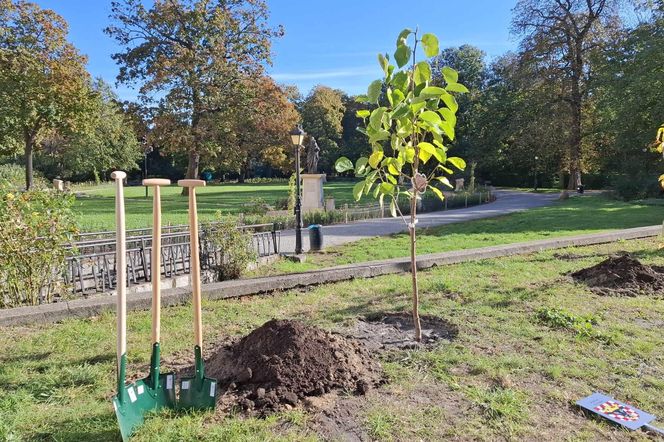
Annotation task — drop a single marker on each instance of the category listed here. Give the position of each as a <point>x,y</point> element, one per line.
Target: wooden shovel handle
<point>152,182</point>
<point>195,258</point>
<point>191,183</point>
<point>155,261</point>
<point>120,262</point>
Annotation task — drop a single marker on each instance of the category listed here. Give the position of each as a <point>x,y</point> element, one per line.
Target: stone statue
<point>313,154</point>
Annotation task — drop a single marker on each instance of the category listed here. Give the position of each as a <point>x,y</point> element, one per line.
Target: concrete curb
<point>83,308</point>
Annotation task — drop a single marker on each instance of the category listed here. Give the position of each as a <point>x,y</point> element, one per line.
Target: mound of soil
<point>282,362</point>
<point>622,275</point>
<point>395,331</point>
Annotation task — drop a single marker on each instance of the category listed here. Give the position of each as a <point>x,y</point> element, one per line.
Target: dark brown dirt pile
<point>622,275</point>
<point>283,362</point>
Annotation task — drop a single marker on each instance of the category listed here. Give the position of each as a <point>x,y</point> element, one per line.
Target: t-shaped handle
<point>154,182</point>
<point>118,175</point>
<point>191,183</point>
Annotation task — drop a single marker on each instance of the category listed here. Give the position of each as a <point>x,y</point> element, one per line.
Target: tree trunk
<point>577,104</point>
<point>29,148</point>
<point>413,267</point>
<point>194,151</point>
<point>192,169</point>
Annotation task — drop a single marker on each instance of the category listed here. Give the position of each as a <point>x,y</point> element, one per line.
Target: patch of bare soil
<point>622,275</point>
<point>395,331</point>
<point>283,362</point>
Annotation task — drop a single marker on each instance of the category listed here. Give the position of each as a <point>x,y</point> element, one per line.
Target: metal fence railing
<point>91,268</point>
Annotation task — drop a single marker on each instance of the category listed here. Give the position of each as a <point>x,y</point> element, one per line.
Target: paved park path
<point>507,201</point>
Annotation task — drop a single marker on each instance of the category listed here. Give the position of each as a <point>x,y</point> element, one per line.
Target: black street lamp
<point>146,150</point>
<point>535,174</point>
<point>297,137</point>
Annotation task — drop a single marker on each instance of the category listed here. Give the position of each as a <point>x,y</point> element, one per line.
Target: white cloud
<point>321,75</point>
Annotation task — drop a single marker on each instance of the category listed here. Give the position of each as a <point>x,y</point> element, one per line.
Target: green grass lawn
<point>508,375</point>
<point>574,216</point>
<point>97,212</point>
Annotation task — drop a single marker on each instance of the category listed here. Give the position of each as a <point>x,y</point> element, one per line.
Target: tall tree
<point>188,55</point>
<point>468,61</point>
<point>322,111</point>
<point>109,143</point>
<point>560,35</point>
<point>43,82</point>
<point>260,127</point>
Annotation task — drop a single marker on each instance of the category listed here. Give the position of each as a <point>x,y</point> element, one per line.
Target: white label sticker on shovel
<point>213,386</point>
<point>132,394</point>
<point>185,385</point>
<point>169,382</point>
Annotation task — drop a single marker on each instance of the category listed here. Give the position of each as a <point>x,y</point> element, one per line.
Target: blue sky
<point>331,42</point>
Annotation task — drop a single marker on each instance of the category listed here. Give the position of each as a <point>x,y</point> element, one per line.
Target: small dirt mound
<point>395,331</point>
<point>282,362</point>
<point>622,275</point>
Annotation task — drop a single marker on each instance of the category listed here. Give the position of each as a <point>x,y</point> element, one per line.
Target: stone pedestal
<point>312,191</point>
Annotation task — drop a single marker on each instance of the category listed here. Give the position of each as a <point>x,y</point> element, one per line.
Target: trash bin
<point>579,189</point>
<point>315,237</point>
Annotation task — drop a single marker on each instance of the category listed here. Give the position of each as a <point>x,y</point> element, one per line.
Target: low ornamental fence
<point>90,268</point>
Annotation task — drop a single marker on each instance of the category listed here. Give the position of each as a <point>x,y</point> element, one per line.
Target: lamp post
<point>535,173</point>
<point>297,137</point>
<point>146,150</point>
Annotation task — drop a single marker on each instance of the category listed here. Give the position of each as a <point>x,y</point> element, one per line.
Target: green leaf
<point>357,190</point>
<point>400,111</point>
<point>361,99</point>
<point>430,117</point>
<point>387,188</point>
<point>423,145</point>
<point>456,87</point>
<point>445,181</point>
<point>362,113</point>
<point>393,208</point>
<point>400,81</point>
<point>376,118</point>
<point>448,115</point>
<point>402,55</point>
<point>397,96</point>
<point>403,36</point>
<point>383,62</point>
<point>450,75</point>
<point>409,154</point>
<point>343,164</point>
<point>445,169</point>
<point>373,93</point>
<point>361,166</point>
<point>394,166</point>
<point>424,155</point>
<point>450,101</point>
<point>375,158</point>
<point>438,193</point>
<point>447,128</point>
<point>432,91</point>
<point>457,162</point>
<point>430,44</point>
<point>422,72</point>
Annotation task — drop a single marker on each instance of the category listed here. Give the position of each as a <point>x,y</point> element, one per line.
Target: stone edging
<point>83,308</point>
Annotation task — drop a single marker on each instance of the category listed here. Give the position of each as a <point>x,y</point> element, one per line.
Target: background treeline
<point>576,103</point>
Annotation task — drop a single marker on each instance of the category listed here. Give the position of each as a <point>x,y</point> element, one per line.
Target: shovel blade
<point>141,399</point>
<point>197,393</point>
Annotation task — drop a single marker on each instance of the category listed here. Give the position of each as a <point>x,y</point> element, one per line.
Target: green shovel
<point>197,392</point>
<point>160,386</point>
<point>133,401</point>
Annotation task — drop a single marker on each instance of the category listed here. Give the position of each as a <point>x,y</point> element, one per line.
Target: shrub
<point>12,178</point>
<point>34,227</point>
<point>230,248</point>
<point>635,186</point>
<point>256,206</point>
